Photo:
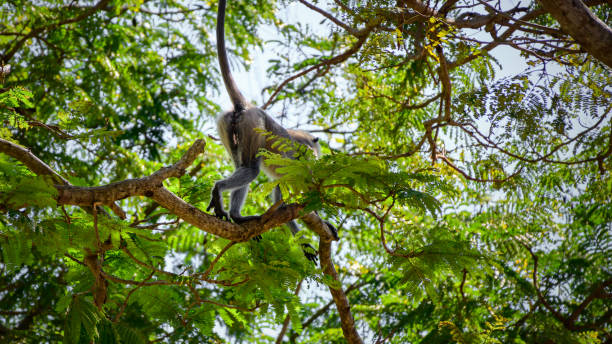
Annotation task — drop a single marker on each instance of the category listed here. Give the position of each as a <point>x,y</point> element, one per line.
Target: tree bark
<point>347,321</point>
<point>578,21</point>
<point>152,187</point>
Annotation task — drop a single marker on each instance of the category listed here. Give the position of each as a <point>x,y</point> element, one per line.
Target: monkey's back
<point>248,130</point>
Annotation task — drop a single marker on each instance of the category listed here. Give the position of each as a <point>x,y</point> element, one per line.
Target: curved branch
<point>339,296</point>
<point>579,22</point>
<point>34,164</point>
<point>362,38</point>
<point>152,187</point>
<point>137,283</point>
<point>474,179</point>
<point>596,292</point>
<point>317,225</point>
<point>329,16</point>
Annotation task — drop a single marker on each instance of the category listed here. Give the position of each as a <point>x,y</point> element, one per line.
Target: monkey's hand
<point>310,253</point>
<point>333,229</point>
<point>215,203</point>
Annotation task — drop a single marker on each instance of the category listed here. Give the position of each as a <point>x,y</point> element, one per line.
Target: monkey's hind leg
<point>278,196</point>
<point>237,199</point>
<point>241,178</point>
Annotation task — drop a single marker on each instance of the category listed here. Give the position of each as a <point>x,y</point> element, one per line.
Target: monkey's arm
<point>309,252</point>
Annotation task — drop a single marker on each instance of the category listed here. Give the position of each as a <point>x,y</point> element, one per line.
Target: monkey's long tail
<point>237,98</point>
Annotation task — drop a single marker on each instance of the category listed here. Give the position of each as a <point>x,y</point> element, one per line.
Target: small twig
<point>127,298</point>
<point>66,217</point>
<point>227,283</point>
<point>132,282</point>
<point>463,278</point>
<point>212,264</point>
<point>281,335</point>
<point>148,266</point>
<point>328,15</point>
<point>474,179</point>
<point>74,259</point>
<point>362,37</point>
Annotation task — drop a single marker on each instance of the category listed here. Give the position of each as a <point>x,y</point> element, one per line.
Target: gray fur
<point>243,140</point>
<point>241,132</point>
<point>278,196</point>
<point>238,99</point>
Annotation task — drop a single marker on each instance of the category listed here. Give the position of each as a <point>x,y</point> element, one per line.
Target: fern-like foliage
<point>354,182</point>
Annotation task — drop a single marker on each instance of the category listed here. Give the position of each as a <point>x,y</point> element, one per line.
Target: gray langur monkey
<point>242,133</point>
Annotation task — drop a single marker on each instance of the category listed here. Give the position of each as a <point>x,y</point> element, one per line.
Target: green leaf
<point>81,321</point>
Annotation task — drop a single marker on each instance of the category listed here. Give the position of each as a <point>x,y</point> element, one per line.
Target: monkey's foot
<point>220,213</point>
<point>333,229</point>
<point>310,253</point>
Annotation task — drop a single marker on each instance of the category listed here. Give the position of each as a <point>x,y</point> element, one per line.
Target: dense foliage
<point>471,208</point>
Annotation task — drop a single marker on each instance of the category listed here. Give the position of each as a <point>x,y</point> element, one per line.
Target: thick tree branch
<point>579,22</point>
<point>344,308</point>
<point>317,225</point>
<point>324,309</point>
<point>446,85</point>
<point>518,24</point>
<point>34,164</point>
<point>152,187</point>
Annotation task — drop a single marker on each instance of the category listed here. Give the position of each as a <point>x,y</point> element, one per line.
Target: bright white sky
<point>254,80</point>
<point>251,83</point>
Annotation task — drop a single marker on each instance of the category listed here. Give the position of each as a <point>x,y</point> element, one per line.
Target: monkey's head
<point>306,139</point>
<point>315,146</point>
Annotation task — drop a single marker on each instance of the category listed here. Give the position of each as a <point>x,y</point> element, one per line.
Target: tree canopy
<point>467,166</point>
